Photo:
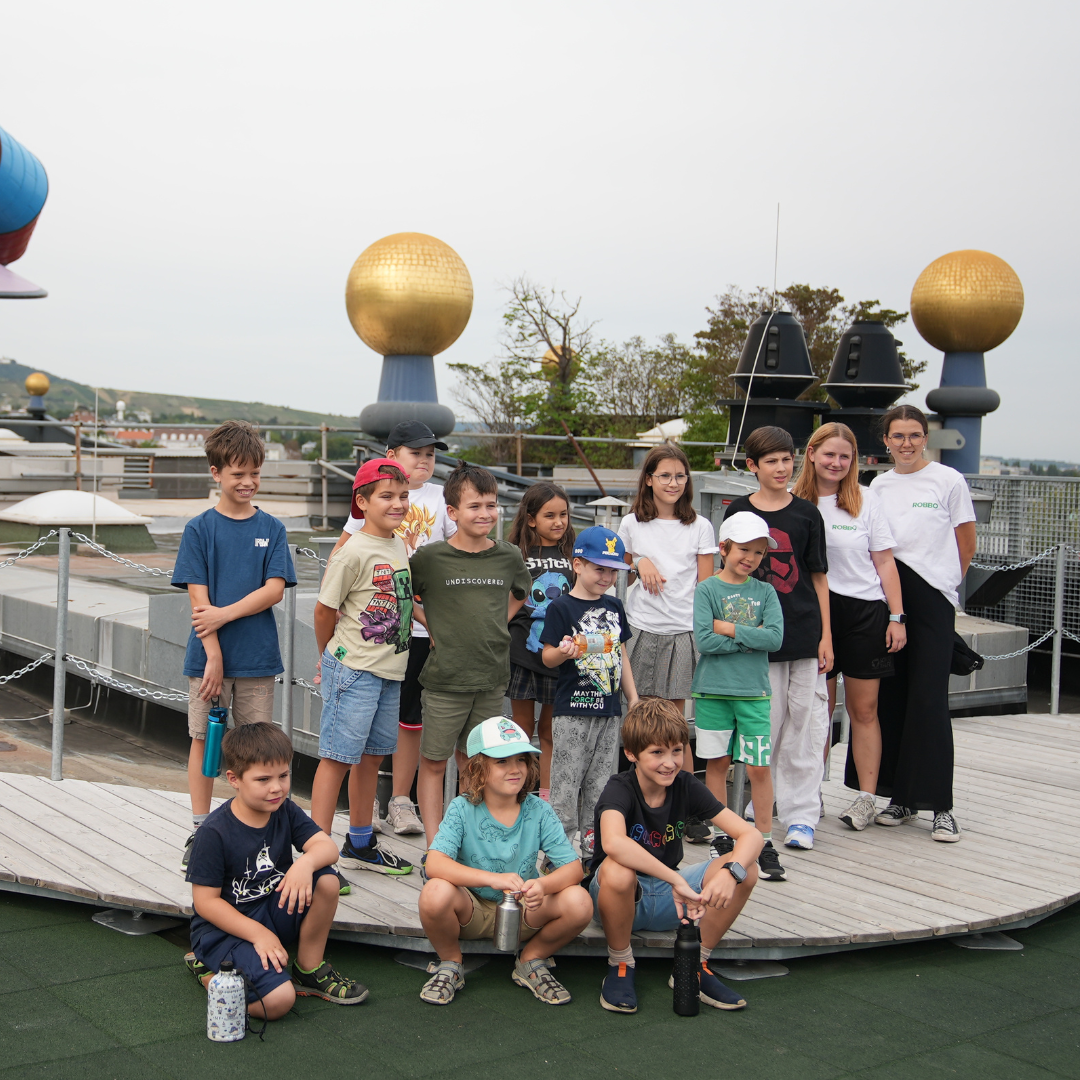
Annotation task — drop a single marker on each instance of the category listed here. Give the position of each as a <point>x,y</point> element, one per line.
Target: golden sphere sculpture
<point>409,294</point>
<point>37,385</point>
<point>967,302</point>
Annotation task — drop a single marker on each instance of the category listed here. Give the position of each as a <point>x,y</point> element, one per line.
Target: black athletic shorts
<point>410,715</point>
<point>858,634</point>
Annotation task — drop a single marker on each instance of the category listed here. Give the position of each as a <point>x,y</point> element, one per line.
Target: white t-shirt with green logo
<point>850,540</point>
<point>923,508</point>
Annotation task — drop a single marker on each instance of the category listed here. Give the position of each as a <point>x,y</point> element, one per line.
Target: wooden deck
<point>1017,789</point>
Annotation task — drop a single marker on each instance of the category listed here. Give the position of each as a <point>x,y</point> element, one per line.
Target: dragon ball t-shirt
<point>368,578</point>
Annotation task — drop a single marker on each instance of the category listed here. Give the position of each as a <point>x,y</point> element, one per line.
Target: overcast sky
<point>215,169</point>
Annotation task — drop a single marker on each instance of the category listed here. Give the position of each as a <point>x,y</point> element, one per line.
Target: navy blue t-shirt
<point>588,686</point>
<point>232,559</point>
<point>246,863</point>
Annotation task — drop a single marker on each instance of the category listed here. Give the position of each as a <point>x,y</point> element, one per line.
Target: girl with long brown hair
<point>865,604</point>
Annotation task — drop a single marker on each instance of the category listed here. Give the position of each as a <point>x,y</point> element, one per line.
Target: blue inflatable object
<point>23,190</point>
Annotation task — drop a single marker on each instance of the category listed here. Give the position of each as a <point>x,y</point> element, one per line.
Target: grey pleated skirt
<point>662,664</point>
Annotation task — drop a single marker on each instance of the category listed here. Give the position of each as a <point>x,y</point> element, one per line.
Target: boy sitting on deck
<point>234,562</point>
<point>636,882</point>
<point>251,899</point>
<point>488,845</point>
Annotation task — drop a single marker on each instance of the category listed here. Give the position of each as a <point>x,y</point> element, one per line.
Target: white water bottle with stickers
<point>226,1005</point>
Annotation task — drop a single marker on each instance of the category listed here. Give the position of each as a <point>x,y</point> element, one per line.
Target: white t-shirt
<point>672,548</point>
<point>923,508</point>
<point>426,520</point>
<point>850,540</point>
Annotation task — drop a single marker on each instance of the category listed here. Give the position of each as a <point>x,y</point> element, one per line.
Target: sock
<point>768,837</point>
<point>545,794</point>
<point>197,820</point>
<point>615,957</point>
<point>402,798</point>
<point>868,794</point>
<point>706,952</point>
<point>360,836</point>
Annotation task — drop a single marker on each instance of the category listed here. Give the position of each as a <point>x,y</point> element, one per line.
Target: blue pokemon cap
<point>601,546</point>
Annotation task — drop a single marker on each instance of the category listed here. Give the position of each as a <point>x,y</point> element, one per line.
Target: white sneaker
<point>376,824</point>
<point>402,817</point>
<point>859,814</point>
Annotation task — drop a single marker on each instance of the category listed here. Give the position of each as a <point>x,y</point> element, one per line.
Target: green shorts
<point>449,717</point>
<point>738,728</point>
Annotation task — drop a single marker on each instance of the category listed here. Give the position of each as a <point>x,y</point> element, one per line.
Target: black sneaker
<point>326,983</point>
<point>373,857</point>
<point>186,857</point>
<point>721,846</point>
<point>697,831</point>
<point>769,863</point>
<point>894,814</point>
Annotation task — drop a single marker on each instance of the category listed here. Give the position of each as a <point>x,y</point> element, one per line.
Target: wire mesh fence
<point>1031,515</point>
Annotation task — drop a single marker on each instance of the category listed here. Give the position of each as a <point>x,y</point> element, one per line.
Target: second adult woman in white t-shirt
<point>865,604</point>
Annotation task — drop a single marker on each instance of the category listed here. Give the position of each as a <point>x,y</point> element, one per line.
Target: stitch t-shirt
<point>552,577</point>
<point>246,863</point>
<point>233,558</point>
<point>368,578</point>
<point>658,829</point>
<point>588,686</point>
<point>800,551</point>
<point>465,596</point>
<point>471,836</point>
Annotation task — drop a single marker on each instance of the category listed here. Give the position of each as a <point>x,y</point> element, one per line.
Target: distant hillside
<point>65,394</point>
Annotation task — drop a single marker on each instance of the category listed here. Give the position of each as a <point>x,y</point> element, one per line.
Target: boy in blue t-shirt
<point>234,562</point>
<point>582,637</point>
<point>488,845</point>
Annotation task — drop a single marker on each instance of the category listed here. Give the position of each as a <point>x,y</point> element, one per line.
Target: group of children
<point>424,624</point>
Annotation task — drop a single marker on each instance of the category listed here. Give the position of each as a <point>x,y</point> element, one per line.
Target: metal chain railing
<point>309,687</point>
<point>153,571</point>
<point>1016,566</point>
<point>311,555</point>
<point>1026,648</point>
<point>25,670</point>
<point>40,542</point>
<point>138,691</point>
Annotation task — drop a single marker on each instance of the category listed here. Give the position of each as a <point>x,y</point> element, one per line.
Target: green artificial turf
<point>78,1000</point>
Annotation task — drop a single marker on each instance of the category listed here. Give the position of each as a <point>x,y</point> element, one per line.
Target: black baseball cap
<point>413,434</point>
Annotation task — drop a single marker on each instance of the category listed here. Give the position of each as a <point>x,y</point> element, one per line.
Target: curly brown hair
<point>474,777</point>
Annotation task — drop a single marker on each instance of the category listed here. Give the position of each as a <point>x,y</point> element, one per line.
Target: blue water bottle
<point>217,723</point>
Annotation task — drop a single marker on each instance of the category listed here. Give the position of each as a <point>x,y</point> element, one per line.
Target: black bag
<point>965,659</point>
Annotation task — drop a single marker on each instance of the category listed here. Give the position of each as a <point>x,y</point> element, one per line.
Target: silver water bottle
<point>226,1005</point>
<point>507,935</point>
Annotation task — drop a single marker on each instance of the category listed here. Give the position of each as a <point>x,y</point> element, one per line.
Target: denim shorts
<point>655,908</point>
<point>359,714</point>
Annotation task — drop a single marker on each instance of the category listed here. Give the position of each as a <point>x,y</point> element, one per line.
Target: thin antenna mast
<point>776,256</point>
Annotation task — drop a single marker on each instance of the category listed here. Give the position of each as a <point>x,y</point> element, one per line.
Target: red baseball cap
<point>368,473</point>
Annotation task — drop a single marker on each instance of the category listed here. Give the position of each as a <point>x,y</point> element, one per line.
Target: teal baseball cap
<point>498,737</point>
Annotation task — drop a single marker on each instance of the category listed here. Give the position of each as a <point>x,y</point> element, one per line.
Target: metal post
<point>325,518</point>
<point>63,566</point>
<point>1059,623</point>
<point>288,611</point>
<point>78,457</point>
<point>519,453</point>
<point>738,788</point>
<point>450,781</point>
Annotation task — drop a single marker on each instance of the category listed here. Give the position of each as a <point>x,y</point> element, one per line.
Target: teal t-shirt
<point>471,836</point>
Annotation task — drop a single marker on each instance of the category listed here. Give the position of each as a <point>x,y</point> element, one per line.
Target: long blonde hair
<point>849,497</point>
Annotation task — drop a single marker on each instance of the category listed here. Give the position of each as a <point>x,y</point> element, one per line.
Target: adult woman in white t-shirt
<point>865,605</point>
<point>929,510</point>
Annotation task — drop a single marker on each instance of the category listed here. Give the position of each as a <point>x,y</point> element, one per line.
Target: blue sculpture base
<point>380,418</point>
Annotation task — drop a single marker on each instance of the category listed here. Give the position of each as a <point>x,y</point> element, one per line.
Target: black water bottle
<point>687,1000</point>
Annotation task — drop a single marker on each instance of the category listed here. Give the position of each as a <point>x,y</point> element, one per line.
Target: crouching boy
<point>252,900</point>
<point>636,882</point>
<point>488,845</point>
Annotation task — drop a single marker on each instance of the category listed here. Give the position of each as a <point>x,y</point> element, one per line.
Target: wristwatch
<point>737,871</point>
<point>901,618</point>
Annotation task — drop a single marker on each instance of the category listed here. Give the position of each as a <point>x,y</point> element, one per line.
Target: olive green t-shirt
<point>368,578</point>
<point>465,596</point>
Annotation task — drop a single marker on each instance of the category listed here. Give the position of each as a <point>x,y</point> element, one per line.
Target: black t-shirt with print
<point>552,577</point>
<point>658,829</point>
<point>246,863</point>
<point>799,533</point>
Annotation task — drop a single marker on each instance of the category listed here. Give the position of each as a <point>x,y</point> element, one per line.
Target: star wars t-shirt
<point>246,863</point>
<point>368,578</point>
<point>588,686</point>
<point>552,577</point>
<point>800,551</point>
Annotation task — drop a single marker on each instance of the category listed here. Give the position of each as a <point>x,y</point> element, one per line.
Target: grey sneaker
<point>945,827</point>
<point>895,815</point>
<point>376,824</point>
<point>402,817</point>
<point>859,814</point>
